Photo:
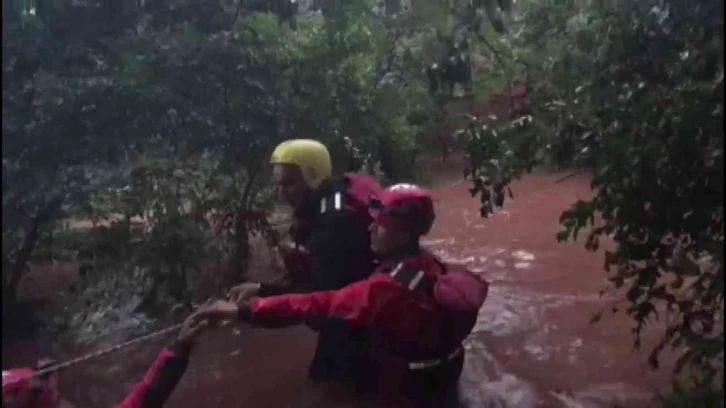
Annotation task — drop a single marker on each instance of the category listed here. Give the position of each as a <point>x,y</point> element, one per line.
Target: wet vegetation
<point>631,92</point>
<point>154,119</point>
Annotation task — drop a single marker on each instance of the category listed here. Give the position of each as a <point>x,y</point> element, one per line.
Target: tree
<point>162,114</point>
<point>632,92</point>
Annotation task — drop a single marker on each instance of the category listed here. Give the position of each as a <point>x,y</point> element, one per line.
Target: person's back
<point>418,343</point>
<point>333,229</point>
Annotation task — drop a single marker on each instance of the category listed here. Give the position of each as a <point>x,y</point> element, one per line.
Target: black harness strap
<point>336,198</point>
<point>414,279</point>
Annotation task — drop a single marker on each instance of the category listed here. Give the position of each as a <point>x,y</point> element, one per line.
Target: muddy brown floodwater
<point>533,345</point>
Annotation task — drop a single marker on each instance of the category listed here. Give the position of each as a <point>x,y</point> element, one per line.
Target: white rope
<point>65,364</point>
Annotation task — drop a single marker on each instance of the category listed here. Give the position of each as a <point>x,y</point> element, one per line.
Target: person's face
<point>291,187</point>
<point>386,239</point>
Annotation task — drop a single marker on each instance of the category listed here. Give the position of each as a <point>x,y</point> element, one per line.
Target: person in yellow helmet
<point>331,248</point>
<point>300,166</point>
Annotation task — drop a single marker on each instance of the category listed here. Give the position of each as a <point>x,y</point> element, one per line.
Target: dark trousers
<point>435,387</point>
<point>341,355</point>
<point>438,387</point>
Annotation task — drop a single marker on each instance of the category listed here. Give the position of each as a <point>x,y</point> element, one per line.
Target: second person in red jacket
<point>416,310</point>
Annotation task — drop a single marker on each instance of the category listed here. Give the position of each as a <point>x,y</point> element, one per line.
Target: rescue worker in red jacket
<point>331,248</point>
<point>417,310</point>
<point>23,389</point>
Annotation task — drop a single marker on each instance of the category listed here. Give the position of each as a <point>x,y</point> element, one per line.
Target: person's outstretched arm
<point>358,305</point>
<point>162,377</point>
<point>351,304</point>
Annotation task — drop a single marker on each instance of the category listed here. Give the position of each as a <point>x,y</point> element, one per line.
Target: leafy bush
<point>156,122</point>
<point>632,92</point>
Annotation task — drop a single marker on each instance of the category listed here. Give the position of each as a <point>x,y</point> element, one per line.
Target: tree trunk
<point>242,228</point>
<point>31,240</point>
<point>241,246</point>
<point>183,295</point>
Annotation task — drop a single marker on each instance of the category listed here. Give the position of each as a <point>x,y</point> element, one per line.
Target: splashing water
<point>532,345</point>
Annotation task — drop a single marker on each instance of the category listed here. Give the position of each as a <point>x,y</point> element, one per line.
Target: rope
<point>141,339</point>
<point>65,364</point>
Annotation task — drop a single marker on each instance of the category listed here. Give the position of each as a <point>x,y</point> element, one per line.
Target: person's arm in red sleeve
<point>162,377</point>
<point>357,304</point>
<point>159,380</point>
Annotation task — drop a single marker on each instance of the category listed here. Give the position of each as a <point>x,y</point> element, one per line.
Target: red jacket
<point>407,325</point>
<point>379,301</point>
<point>159,380</point>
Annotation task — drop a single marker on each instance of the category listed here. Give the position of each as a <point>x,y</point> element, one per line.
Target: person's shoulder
<point>384,279</point>
<point>346,197</point>
<point>380,283</point>
<point>427,259</point>
<point>333,201</point>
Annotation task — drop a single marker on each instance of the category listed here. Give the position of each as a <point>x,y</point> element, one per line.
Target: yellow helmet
<point>311,156</point>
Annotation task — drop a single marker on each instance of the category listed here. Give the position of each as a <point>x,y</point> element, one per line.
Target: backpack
<point>458,292</point>
<point>353,191</point>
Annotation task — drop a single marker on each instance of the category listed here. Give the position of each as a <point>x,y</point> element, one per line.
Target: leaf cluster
<point>633,94</point>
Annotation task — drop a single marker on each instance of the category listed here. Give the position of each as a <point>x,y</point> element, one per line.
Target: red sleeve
<point>358,304</point>
<point>140,394</point>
